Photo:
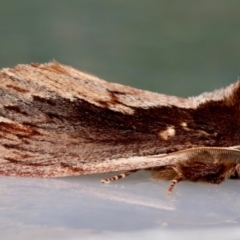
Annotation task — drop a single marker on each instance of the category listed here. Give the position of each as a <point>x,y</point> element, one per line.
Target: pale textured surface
<point>136,208</point>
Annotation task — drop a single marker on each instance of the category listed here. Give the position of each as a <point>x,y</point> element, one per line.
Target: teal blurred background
<point>174,47</point>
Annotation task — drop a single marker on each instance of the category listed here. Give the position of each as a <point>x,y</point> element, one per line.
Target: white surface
<point>83,208</point>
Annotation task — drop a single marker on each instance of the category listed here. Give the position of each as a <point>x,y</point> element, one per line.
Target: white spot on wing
<point>184,126</point>
<point>168,133</point>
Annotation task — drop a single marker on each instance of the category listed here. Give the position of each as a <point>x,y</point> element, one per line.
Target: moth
<point>57,121</point>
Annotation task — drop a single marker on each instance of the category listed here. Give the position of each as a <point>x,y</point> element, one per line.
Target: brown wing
<point>57,121</point>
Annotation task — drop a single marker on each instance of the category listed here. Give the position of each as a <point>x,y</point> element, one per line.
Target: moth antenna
<point>173,183</point>
<point>122,175</point>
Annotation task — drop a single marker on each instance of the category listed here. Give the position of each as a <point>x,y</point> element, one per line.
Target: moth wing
<point>57,121</point>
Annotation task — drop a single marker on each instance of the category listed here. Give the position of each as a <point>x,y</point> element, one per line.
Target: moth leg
<point>176,180</point>
<point>172,173</point>
<point>173,183</point>
<point>122,175</point>
<point>237,172</point>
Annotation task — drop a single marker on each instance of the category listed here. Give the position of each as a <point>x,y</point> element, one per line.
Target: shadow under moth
<point>57,121</point>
